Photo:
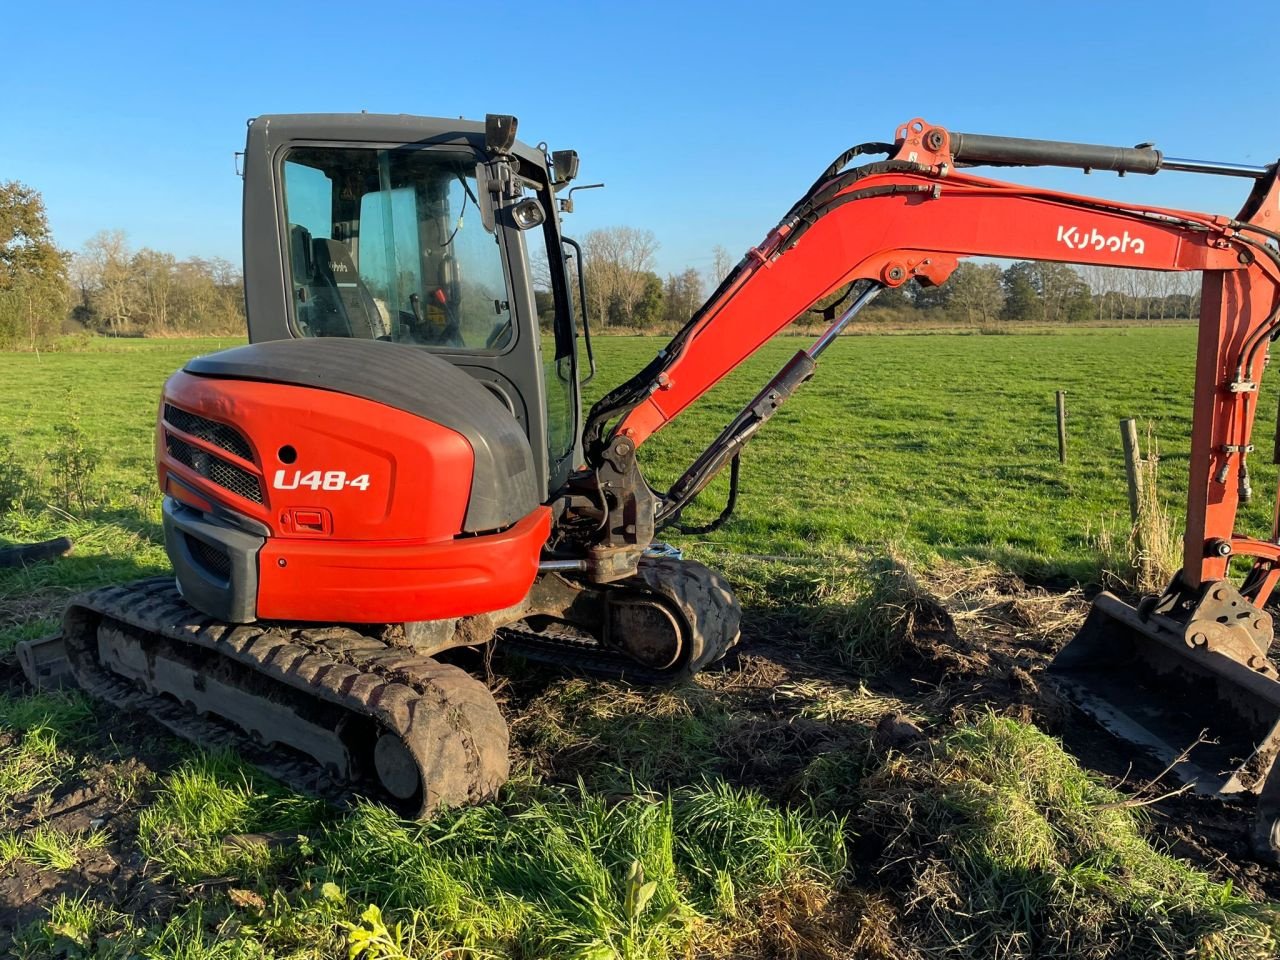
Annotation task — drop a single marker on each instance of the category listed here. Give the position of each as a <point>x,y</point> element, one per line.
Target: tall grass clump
<point>34,733</point>
<point>84,927</point>
<point>571,874</point>
<point>207,799</point>
<point>74,459</point>
<point>72,928</point>
<point>1146,556</point>
<point>65,712</point>
<point>1000,845</point>
<point>887,611</point>
<point>49,847</point>
<point>867,608</point>
<point>1154,547</point>
<point>16,481</point>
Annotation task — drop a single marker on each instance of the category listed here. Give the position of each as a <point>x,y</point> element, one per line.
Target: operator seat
<point>342,305</point>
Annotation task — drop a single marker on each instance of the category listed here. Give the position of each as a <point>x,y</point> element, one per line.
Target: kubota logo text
<point>1075,239</point>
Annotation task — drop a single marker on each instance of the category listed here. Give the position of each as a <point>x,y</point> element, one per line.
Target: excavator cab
<point>425,233</point>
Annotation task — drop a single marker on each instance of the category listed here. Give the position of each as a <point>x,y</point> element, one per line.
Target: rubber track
<point>447,719</point>
<point>706,604</point>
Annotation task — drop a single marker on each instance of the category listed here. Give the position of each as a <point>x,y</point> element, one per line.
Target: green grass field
<point>761,811</point>
<point>948,443</point>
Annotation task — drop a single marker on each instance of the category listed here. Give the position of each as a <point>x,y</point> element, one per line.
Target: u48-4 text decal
<point>319,480</point>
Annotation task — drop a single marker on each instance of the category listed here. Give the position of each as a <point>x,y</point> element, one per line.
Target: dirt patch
<point>989,636</point>
<point>805,921</point>
<point>21,608</point>
<point>119,760</point>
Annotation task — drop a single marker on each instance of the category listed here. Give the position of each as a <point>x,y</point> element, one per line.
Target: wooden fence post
<point>1062,426</point>
<point>1132,457</point>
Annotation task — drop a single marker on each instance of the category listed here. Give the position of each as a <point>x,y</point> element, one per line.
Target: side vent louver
<point>209,465</point>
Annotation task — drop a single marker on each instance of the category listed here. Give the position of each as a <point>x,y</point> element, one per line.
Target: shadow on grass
<point>130,518</point>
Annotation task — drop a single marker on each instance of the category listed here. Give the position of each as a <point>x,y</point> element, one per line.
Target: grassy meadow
<point>948,445</point>
<point>835,789</point>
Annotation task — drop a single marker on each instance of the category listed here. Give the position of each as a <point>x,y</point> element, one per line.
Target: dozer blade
<point>1198,689</point>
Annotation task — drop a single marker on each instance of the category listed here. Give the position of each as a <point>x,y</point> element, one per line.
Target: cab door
<point>370,226</point>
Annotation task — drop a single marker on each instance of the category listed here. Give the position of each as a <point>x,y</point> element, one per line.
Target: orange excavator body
<point>425,492</point>
<point>374,542</point>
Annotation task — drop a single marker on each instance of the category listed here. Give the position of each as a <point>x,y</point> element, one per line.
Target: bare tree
<point>721,264</point>
<point>1133,285</point>
<point>153,281</point>
<point>1186,287</point>
<point>1151,283</point>
<point>1101,281</point>
<point>539,268</point>
<point>82,276</point>
<point>976,292</point>
<point>148,291</point>
<point>208,295</point>
<point>107,257</point>
<point>683,296</point>
<point>618,261</point>
<point>1176,292</point>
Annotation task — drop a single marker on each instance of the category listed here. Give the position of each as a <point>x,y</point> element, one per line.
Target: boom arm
<point>916,215</point>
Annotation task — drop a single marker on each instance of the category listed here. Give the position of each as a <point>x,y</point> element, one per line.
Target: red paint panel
<point>925,234</point>
<point>389,582</point>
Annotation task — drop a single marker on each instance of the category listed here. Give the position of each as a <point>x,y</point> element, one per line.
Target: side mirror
<point>564,165</point>
<point>566,204</point>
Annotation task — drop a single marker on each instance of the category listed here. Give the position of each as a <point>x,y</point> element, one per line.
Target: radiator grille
<point>210,431</point>
<point>210,557</point>
<point>240,482</point>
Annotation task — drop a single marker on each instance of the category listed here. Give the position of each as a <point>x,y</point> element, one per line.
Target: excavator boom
<point>1189,666</point>
<point>916,215</point>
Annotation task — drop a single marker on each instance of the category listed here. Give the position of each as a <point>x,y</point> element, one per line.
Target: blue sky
<point>704,120</point>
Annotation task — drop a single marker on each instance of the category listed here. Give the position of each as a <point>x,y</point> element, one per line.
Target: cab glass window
<point>557,343</point>
<point>388,245</point>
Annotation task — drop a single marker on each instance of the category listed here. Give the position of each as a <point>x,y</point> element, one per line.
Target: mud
<point>123,761</point>
<point>993,657</point>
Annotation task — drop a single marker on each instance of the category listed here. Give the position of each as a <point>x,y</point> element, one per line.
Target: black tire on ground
<point>707,604</point>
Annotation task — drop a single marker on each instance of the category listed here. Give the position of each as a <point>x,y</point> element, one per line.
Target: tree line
<point>122,291</point>
<point>106,287</point>
<point>624,292</point>
<point>1044,292</point>
<point>111,288</point>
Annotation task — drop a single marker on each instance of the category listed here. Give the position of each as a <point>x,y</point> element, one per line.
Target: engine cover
<point>345,480</point>
<point>504,487</point>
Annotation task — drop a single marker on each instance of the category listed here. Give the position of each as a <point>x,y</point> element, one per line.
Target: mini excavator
<point>397,463</point>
